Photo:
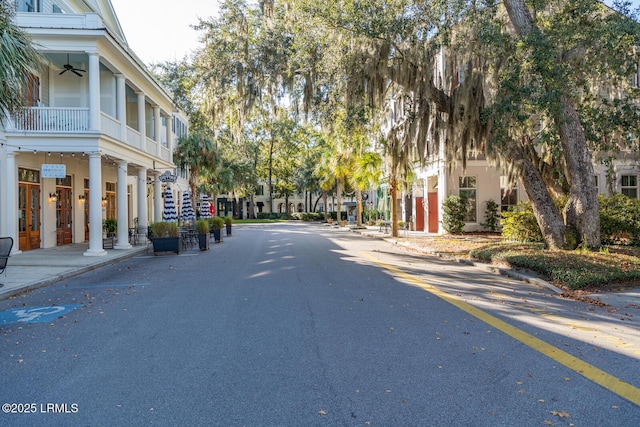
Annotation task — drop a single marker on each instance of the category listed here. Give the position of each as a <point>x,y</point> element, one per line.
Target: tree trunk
<point>546,213</point>
<point>339,195</point>
<point>358,207</point>
<point>582,212</point>
<point>326,206</point>
<point>393,188</point>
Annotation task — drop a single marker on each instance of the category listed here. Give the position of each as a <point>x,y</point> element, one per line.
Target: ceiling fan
<point>69,67</point>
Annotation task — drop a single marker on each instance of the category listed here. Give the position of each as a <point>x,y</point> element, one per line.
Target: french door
<point>28,216</point>
<point>64,215</point>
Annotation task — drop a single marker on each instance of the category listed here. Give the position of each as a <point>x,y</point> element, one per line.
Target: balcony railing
<point>47,119</point>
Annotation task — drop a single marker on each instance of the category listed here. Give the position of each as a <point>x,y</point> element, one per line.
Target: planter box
<point>217,235</point>
<point>166,244</point>
<point>203,241</point>
<point>228,229</point>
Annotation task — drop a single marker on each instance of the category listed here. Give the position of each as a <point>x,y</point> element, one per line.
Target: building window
<point>110,204</point>
<point>629,186</point>
<point>28,6</point>
<point>508,195</point>
<point>468,185</point>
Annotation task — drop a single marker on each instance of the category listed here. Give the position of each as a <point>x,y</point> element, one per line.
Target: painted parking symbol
<point>35,314</point>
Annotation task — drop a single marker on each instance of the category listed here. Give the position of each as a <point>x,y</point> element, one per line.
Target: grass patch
<point>575,270</point>
<point>258,221</point>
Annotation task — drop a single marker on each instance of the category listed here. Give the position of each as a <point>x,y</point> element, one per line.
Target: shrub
<point>491,215</point>
<point>228,220</point>
<point>164,229</point>
<point>519,224</point>
<point>216,222</point>
<point>453,214</point>
<point>202,226</point>
<point>619,219</point>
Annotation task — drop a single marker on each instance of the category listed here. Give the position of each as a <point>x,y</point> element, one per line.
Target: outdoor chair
<point>6,243</point>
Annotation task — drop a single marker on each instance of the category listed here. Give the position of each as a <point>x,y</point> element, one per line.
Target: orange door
<point>432,212</point>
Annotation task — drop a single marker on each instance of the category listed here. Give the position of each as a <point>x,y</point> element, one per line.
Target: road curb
<point>67,274</point>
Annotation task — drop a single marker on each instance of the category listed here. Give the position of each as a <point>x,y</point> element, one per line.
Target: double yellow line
<point>608,381</point>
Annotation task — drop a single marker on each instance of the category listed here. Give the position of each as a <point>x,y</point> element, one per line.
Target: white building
<point>99,132</point>
<point>480,182</point>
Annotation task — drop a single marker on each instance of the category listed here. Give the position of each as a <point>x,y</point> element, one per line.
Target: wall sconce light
<point>104,201</point>
<point>81,197</point>
<point>53,197</point>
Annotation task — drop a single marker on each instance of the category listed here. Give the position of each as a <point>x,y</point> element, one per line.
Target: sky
<point>159,30</point>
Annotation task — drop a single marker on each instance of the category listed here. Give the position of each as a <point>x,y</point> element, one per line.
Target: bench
<point>6,243</point>
<point>386,225</point>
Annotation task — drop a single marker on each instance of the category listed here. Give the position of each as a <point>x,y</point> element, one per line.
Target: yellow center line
<point>608,381</point>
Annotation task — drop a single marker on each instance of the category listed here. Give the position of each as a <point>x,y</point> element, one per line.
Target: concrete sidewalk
<point>33,269</point>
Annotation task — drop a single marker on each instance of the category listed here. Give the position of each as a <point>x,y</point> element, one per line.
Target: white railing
<point>110,126</point>
<point>152,147</point>
<point>47,119</point>
<point>134,138</point>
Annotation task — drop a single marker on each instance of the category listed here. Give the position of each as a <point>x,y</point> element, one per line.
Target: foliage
<point>307,216</point>
<point>519,224</point>
<point>620,219</point>
<point>216,222</point>
<point>570,269</point>
<point>19,59</point>
<point>164,229</point>
<point>228,220</point>
<point>453,210</point>
<point>196,153</point>
<point>110,225</point>
<point>202,226</point>
<point>491,215</point>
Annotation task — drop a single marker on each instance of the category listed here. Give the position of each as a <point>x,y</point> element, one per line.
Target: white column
<point>142,120</point>
<point>95,206</point>
<point>94,91</point>
<point>121,195</point>
<point>142,198</point>
<point>11,208</point>
<point>121,106</point>
<point>170,135</point>
<point>157,200</point>
<point>157,121</point>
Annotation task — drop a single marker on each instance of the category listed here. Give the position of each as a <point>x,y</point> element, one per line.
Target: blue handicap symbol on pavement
<point>35,314</point>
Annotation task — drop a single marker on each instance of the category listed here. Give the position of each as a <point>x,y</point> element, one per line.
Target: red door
<point>432,212</point>
<point>419,214</point>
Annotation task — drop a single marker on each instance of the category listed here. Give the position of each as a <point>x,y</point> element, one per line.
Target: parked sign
<point>53,171</point>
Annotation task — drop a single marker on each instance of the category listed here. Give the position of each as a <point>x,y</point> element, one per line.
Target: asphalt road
<point>305,325</point>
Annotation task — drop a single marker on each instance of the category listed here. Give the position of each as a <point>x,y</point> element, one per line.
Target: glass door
<point>63,216</point>
<point>28,216</point>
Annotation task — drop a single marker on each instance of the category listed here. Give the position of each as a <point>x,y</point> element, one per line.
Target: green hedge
<point>619,221</point>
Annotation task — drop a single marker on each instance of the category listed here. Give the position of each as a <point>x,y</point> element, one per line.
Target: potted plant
<point>216,228</point>
<point>228,221</point>
<point>165,237</point>
<point>202,227</point>
<point>110,226</point>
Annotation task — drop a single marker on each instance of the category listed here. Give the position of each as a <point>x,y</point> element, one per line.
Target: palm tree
<point>368,172</point>
<point>197,153</point>
<point>18,61</point>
